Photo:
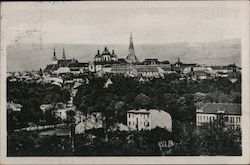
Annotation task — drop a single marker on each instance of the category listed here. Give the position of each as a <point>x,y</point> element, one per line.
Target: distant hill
<point>34,56</point>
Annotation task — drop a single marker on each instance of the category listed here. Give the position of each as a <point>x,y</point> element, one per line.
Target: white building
<point>93,120</point>
<point>148,119</point>
<point>212,111</point>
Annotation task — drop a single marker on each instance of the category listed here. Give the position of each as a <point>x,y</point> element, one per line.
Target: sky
<point>110,22</point>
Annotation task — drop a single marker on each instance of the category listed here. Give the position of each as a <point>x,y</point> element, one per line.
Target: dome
<point>105,51</point>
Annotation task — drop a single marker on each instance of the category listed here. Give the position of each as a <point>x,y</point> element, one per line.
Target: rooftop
<point>227,108</point>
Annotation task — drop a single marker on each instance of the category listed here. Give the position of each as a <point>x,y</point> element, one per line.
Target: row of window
<point>149,73</point>
<point>206,118</point>
<point>146,123</point>
<point>212,118</point>
<point>234,119</point>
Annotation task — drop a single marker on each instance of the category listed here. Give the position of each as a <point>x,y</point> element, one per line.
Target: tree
<point>141,101</point>
<point>70,117</point>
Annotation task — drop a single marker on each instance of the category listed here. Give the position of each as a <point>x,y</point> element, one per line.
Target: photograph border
<point>244,159</point>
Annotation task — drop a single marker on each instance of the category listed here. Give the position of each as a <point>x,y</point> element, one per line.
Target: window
<point>129,123</point>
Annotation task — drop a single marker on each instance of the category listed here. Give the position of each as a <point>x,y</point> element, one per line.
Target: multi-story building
<point>148,119</point>
<point>229,112</point>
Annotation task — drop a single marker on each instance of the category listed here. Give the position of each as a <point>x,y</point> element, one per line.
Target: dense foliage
<point>31,96</point>
<point>176,97</point>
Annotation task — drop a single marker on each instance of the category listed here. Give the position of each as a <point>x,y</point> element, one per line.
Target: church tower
<point>54,59</point>
<point>131,58</point>
<point>64,56</point>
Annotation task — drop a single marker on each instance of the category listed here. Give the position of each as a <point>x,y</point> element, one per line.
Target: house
<point>148,119</point>
<point>212,111</point>
<point>93,120</point>
<point>13,107</point>
<point>108,83</point>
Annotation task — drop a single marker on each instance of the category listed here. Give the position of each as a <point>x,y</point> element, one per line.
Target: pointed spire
<point>178,59</point>
<point>54,51</point>
<point>131,58</point>
<point>131,46</point>
<point>64,56</point>
<point>54,59</point>
<point>54,54</point>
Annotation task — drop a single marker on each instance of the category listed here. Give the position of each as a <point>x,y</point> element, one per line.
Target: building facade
<point>148,119</point>
<point>229,112</point>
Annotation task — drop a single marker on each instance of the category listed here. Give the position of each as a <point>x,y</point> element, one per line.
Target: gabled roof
<point>63,63</point>
<point>51,67</point>
<point>227,108</point>
<point>122,61</point>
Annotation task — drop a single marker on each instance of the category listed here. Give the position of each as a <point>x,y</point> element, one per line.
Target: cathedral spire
<point>131,46</point>
<point>131,58</point>
<point>64,56</point>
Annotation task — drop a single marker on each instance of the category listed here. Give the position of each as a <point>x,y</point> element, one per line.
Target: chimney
<point>113,52</point>
<point>98,51</point>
